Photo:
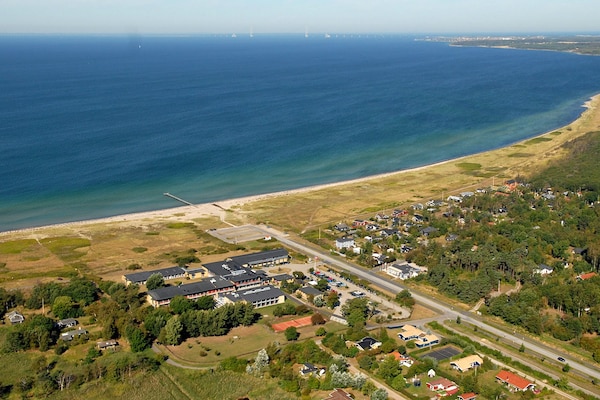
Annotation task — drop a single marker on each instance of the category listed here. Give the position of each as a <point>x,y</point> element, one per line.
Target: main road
<point>448,311</point>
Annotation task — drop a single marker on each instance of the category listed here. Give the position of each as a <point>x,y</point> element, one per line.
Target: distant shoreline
<point>219,208</point>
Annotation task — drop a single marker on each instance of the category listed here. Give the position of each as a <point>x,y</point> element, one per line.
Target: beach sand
<point>439,179</point>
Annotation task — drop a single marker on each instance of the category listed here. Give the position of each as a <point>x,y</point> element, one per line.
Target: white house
<point>344,243</point>
<point>402,271</point>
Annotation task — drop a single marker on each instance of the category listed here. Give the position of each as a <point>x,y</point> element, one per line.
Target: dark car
<point>561,359</point>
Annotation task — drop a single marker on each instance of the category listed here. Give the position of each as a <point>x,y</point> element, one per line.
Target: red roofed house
<point>589,275</point>
<point>404,361</point>
<point>467,396</point>
<point>339,394</point>
<point>514,382</point>
<point>443,385</point>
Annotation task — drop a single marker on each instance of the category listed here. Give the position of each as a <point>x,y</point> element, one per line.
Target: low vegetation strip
<point>298,323</point>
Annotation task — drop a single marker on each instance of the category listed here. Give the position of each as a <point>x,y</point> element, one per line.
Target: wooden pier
<point>178,199</point>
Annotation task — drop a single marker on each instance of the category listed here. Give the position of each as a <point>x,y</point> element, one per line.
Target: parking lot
<point>346,289</point>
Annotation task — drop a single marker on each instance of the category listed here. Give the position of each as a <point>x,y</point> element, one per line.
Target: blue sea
<point>99,126</point>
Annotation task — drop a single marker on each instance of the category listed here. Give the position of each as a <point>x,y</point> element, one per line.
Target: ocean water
<point>101,126</point>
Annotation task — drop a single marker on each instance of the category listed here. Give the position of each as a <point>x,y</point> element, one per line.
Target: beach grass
<point>16,246</point>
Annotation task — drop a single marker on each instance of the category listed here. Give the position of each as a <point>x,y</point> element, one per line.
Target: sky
<point>296,16</point>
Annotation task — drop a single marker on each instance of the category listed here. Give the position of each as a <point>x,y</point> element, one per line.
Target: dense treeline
<point>552,219</point>
<point>109,310</point>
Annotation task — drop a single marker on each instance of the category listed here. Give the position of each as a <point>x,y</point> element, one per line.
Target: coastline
<point>219,209</point>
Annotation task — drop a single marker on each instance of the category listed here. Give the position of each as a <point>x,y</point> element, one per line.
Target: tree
<point>81,290</point>
<point>64,307</point>
<point>317,319</point>
<point>356,311</point>
<point>156,320</point>
<point>261,363</point>
<point>322,332</point>
<point>291,333</point>
<point>180,304</point>
<point>388,369</point>
<point>319,301</point>
<point>137,339</point>
<point>322,285</point>
<point>298,275</point>
<point>332,300</point>
<point>205,303</point>
<point>379,394</point>
<point>398,383</point>
<point>155,281</point>
<point>173,329</point>
<point>404,298</point>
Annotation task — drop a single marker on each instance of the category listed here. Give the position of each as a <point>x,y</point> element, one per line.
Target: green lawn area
<point>242,342</point>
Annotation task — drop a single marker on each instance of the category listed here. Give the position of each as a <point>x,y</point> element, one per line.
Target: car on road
<point>561,359</point>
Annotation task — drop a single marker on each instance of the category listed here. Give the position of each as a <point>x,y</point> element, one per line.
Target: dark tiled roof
<point>310,290</point>
<point>282,277</point>
<point>189,289</point>
<point>260,258</point>
<point>255,294</point>
<point>139,277</point>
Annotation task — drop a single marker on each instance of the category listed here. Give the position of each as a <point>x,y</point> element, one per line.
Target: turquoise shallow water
<point>100,126</point>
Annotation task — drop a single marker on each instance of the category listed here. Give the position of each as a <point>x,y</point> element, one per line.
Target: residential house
<point>543,270</point>
<point>388,232</point>
<point>381,217</point>
<point>67,323</point>
<point>410,332</point>
<point>444,386</point>
<point>309,369</point>
<point>589,275</point>
<point>359,222</point>
<point>341,227</point>
<point>70,335</point>
<point>427,341</point>
<point>107,344</point>
<point>430,230</point>
<point>339,394</point>
<point>367,343</point>
<point>466,363</point>
<point>403,360</point>
<point>344,243</point>
<point>402,271</point>
<point>511,184</point>
<point>514,382</point>
<point>467,396</point>
<point>451,237</point>
<point>15,317</point>
<point>399,213</point>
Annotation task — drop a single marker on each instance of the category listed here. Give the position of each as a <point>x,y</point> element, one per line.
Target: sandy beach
<point>588,120</point>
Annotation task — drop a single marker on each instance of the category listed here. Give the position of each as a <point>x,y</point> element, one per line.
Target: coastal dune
<point>309,207</point>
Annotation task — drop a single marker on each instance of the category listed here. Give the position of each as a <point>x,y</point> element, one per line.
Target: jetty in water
<point>178,199</point>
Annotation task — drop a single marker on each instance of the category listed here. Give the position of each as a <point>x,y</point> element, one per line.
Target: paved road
<point>446,310</point>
